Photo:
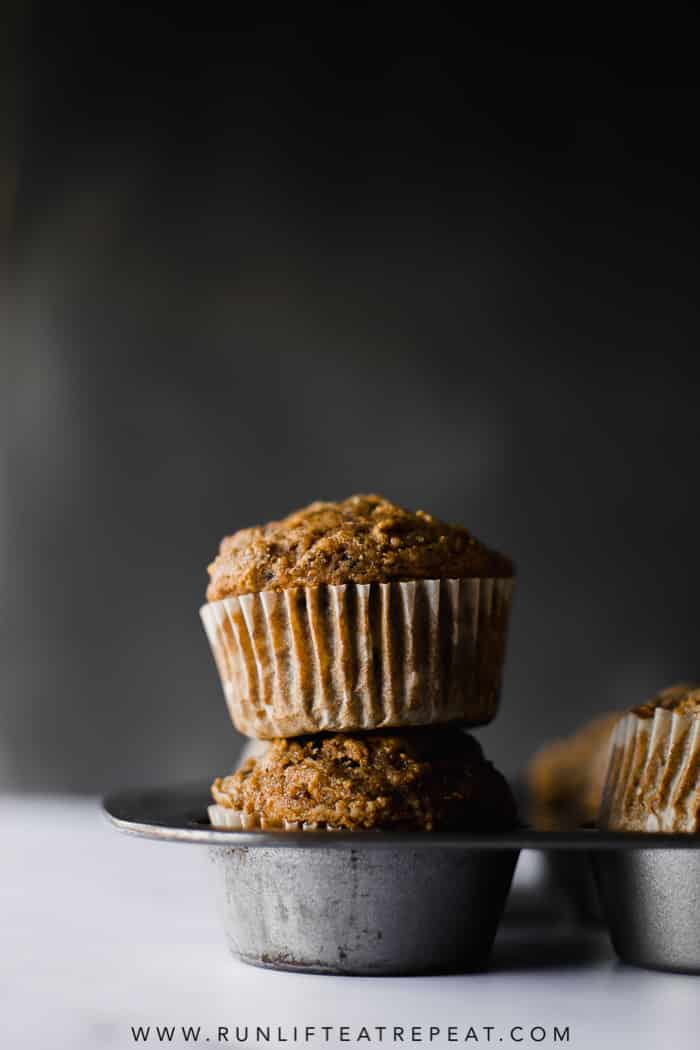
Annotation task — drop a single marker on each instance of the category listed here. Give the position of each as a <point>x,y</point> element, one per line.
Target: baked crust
<point>420,779</point>
<point>363,539</point>
<point>682,698</point>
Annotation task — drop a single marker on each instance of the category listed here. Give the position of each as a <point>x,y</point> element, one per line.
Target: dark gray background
<point>256,265</point>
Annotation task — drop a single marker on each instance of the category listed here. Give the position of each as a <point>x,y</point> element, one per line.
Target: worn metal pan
<point>380,903</point>
<point>365,911</point>
<point>651,903</point>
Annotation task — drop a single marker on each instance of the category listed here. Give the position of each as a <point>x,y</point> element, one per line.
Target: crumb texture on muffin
<point>566,777</point>
<point>419,779</point>
<point>363,539</point>
<point>682,698</point>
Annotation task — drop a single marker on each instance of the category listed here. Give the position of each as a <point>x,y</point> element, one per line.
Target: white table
<point>101,932</point>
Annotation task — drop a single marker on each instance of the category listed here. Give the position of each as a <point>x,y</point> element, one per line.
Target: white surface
<point>101,932</point>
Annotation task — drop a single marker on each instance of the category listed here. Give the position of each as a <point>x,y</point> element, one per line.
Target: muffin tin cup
<point>361,656</point>
<point>651,903</point>
<point>372,912</point>
<point>570,880</point>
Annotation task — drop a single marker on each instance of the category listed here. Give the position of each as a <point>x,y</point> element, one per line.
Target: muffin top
<point>683,698</point>
<point>423,779</point>
<point>363,539</point>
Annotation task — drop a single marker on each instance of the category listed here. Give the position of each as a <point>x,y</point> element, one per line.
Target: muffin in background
<point>419,780</point>
<point>653,779</point>
<point>565,777</point>
<point>354,616</point>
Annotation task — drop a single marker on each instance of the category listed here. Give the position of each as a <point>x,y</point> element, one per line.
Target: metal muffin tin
<point>573,884</point>
<point>379,903</point>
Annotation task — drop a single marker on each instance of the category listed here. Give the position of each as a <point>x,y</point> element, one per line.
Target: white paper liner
<point>237,820</point>
<point>653,781</point>
<point>361,656</point>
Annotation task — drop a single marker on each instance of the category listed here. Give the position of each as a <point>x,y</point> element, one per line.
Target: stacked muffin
<point>358,638</point>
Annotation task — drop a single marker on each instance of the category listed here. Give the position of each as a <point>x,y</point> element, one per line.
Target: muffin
<point>419,780</point>
<point>565,778</point>
<point>354,616</point>
<point>653,780</point>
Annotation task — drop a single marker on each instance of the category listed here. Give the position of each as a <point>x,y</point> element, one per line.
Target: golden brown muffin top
<point>423,779</point>
<point>363,539</point>
<point>566,777</point>
<point>683,698</point>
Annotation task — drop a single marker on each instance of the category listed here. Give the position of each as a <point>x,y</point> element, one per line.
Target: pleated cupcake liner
<point>653,781</point>
<point>237,820</point>
<point>361,656</point>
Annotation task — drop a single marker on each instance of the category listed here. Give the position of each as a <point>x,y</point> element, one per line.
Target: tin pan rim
<point>178,814</point>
